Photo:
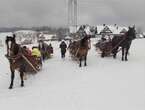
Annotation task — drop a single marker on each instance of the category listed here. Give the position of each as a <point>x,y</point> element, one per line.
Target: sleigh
<point>104,48</point>
<point>34,63</point>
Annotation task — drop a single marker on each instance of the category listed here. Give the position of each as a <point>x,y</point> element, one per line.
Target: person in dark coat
<point>63,48</point>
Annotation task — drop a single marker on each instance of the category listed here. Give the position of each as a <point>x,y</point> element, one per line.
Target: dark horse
<point>45,49</point>
<point>12,51</point>
<point>17,60</point>
<point>124,42</point>
<point>79,49</point>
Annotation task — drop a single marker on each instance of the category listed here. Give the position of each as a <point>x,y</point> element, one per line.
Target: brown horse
<point>18,60</point>
<point>79,49</point>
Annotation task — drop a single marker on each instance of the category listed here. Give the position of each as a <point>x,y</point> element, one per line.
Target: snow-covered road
<point>105,84</point>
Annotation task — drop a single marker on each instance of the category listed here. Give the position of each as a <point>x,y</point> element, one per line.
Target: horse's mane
<point>83,41</point>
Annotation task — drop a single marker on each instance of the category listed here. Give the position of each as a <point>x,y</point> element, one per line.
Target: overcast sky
<point>54,12</point>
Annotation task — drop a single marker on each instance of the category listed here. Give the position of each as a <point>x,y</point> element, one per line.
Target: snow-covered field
<point>105,84</point>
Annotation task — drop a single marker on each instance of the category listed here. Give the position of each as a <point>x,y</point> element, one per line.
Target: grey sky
<point>54,12</point>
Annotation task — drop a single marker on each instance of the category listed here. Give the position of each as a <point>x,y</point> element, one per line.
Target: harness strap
<point>117,45</point>
<point>77,51</point>
<point>29,63</point>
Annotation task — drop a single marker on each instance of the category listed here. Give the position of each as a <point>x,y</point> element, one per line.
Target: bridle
<point>10,53</point>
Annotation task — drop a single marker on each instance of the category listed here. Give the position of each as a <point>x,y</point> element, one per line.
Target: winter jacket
<point>36,52</point>
<point>63,46</point>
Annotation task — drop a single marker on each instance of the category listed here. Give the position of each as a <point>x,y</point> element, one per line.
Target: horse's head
<point>85,41</point>
<point>131,33</point>
<point>10,41</point>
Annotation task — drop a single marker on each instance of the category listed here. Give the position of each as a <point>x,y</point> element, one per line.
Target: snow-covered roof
<point>106,29</point>
<point>100,28</point>
<point>49,36</point>
<point>67,37</point>
<point>25,31</point>
<point>112,28</point>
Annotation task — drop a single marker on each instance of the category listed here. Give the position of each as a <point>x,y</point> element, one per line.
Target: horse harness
<point>117,45</point>
<point>82,47</point>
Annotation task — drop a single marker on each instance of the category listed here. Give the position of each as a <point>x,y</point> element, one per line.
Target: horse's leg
<point>43,56</point>
<point>12,78</point>
<point>22,78</point>
<point>80,59</point>
<point>61,54</point>
<point>103,54</point>
<point>22,70</point>
<point>122,53</point>
<point>114,52</point>
<point>85,61</point>
<point>126,53</point>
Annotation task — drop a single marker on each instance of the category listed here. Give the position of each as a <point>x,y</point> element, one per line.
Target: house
<point>46,37</point>
<point>102,29</point>
<point>67,38</point>
<point>50,36</point>
<point>111,29</point>
<point>124,30</point>
<point>106,30</point>
<point>24,36</point>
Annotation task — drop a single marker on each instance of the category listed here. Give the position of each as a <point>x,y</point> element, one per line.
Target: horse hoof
<point>114,57</point>
<point>22,85</point>
<point>102,55</point>
<point>126,59</point>
<point>10,87</point>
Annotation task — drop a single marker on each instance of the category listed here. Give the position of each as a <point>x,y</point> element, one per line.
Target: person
<point>63,48</point>
<point>27,51</point>
<point>36,52</point>
<point>50,48</point>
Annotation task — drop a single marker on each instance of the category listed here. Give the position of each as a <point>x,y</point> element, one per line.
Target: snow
<point>26,31</point>
<point>105,84</point>
<point>49,36</point>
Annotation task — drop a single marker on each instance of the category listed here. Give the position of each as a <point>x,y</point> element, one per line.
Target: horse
<point>45,50</point>
<point>123,41</point>
<point>17,60</point>
<point>80,49</point>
